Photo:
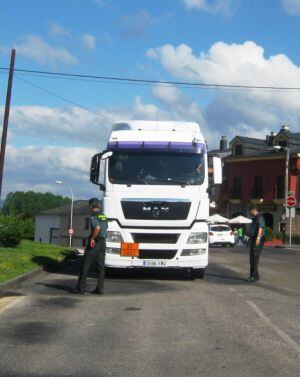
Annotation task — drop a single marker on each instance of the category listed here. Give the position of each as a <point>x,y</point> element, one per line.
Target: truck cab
<point>154,178</point>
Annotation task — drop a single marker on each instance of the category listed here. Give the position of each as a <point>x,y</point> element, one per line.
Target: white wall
<point>43,224</point>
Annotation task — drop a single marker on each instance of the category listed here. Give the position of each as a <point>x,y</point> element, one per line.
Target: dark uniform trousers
<point>254,257</point>
<point>95,255</point>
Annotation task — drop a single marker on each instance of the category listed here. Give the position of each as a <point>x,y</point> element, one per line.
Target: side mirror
<point>95,168</point>
<point>217,170</point>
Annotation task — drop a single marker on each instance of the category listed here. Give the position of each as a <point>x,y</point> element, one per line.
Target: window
<point>280,187</point>
<point>238,150</point>
<point>258,187</point>
<point>282,143</point>
<point>159,168</point>
<point>220,228</point>
<point>236,191</point>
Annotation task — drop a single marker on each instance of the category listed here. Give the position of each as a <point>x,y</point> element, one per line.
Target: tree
<point>28,204</point>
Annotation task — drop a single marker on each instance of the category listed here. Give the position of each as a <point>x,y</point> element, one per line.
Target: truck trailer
<point>154,178</point>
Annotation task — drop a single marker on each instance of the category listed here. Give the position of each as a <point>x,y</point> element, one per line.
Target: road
<point>157,325</point>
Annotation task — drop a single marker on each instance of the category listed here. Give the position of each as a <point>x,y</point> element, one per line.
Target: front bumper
<point>159,255</point>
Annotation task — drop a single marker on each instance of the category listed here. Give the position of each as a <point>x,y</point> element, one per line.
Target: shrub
<point>26,227</point>
<point>10,233</point>
<point>269,234</point>
<point>278,235</point>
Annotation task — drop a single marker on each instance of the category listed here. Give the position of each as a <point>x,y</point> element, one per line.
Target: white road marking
<point>9,302</point>
<point>283,335</point>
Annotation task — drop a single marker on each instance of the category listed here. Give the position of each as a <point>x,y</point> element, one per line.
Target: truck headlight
<point>113,236</point>
<point>197,237</point>
<point>112,250</point>
<point>192,252</point>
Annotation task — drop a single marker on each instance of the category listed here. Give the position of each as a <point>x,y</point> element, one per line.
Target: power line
<point>63,98</point>
<point>151,81</point>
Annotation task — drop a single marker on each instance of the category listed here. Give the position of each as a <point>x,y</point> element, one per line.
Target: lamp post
<point>286,186</point>
<point>72,205</point>
<point>287,164</point>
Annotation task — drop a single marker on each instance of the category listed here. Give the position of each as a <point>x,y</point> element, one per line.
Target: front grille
<point>157,254</point>
<point>155,238</point>
<point>156,210</point>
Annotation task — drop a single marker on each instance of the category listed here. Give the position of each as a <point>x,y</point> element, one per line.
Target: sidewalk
<point>288,247</point>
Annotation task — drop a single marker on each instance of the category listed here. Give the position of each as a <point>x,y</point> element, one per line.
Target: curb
<point>27,275</point>
<point>19,279</point>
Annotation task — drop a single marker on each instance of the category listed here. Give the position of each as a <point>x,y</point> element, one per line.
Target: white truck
<point>154,178</point>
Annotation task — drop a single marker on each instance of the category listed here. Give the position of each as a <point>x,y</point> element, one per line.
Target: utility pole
<point>6,115</point>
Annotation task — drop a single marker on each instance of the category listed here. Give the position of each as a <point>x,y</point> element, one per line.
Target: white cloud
<point>81,134</point>
<point>34,47</point>
<point>211,6</point>
<point>291,6</point>
<point>72,124</point>
<point>236,111</point>
<point>56,30</point>
<point>88,41</point>
<point>36,168</point>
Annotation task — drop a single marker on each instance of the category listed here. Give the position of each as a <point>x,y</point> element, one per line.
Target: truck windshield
<point>146,168</point>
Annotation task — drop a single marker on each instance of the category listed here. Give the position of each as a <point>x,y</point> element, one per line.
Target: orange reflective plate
<point>129,249</point>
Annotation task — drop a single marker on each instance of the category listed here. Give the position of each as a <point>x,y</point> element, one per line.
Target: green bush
<point>278,235</point>
<point>269,234</point>
<point>10,233</point>
<point>26,227</point>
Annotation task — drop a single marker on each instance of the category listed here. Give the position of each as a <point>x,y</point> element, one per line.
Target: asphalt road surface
<point>157,324</point>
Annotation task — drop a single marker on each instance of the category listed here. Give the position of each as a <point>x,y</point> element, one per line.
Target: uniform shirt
<point>98,219</point>
<point>257,222</point>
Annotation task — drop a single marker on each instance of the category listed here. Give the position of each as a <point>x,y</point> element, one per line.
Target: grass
<point>27,257</point>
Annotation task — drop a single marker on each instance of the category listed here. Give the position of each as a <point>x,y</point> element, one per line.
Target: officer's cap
<point>94,202</point>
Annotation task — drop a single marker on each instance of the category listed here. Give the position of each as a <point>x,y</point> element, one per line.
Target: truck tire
<point>199,273</point>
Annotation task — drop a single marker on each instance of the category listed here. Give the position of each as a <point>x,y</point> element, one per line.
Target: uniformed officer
<point>257,239</point>
<point>95,250</point>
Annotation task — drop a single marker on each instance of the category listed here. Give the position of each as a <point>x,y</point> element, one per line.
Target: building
<point>52,226</point>
<point>255,173</point>
<point>218,194</point>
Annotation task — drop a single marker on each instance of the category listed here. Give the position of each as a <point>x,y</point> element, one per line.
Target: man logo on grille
<point>156,211</point>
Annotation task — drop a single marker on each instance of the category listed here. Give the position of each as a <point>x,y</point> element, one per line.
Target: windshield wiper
<point>172,181</point>
<point>136,180</point>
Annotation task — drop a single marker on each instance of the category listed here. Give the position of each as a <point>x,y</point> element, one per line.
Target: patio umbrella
<point>240,220</point>
<point>217,219</point>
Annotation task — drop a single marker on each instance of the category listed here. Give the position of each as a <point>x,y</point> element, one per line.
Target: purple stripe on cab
<point>157,145</point>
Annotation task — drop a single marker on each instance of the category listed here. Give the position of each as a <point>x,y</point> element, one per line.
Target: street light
<point>72,205</point>
<point>287,163</point>
<point>286,188</point>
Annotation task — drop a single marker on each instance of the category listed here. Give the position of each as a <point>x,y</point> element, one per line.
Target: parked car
<point>221,235</point>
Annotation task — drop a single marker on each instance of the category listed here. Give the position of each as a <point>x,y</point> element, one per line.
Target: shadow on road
<point>221,275</point>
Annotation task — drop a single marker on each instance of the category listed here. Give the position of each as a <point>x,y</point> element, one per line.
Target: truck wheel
<point>199,273</point>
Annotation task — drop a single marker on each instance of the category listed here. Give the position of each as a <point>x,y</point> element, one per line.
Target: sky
<point>56,125</point>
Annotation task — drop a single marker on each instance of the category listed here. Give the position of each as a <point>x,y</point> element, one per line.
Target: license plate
<point>130,249</point>
<point>154,263</point>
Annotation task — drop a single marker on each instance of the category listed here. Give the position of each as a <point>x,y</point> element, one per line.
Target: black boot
<point>98,291</point>
<point>77,291</point>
